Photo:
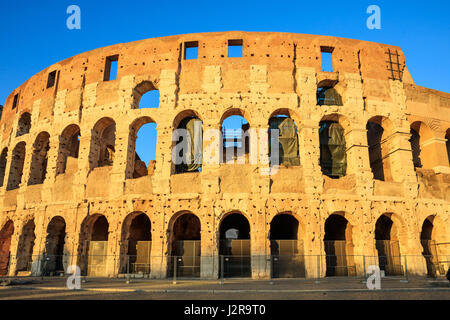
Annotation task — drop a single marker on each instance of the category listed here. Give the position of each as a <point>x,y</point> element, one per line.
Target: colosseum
<point>362,176</point>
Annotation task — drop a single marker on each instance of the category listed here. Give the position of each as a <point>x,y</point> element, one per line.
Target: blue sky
<point>34,34</point>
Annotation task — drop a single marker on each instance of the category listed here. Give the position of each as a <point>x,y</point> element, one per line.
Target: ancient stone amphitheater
<point>365,180</point>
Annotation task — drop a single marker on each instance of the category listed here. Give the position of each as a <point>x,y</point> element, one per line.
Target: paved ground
<point>244,289</point>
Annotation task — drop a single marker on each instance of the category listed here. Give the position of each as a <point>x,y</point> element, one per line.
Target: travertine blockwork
<point>93,183</point>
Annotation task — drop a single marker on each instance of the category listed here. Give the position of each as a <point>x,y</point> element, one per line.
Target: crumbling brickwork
<point>69,163</point>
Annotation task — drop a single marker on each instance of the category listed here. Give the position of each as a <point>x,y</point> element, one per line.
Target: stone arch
<point>379,131</point>
<point>69,146</point>
<point>236,140</point>
<point>420,134</point>
<point>142,89</point>
<point>16,167</point>
<point>24,124</point>
<point>387,243</point>
<point>282,121</point>
<point>447,144</point>
<point>25,247</point>
<point>3,161</point>
<point>93,245</point>
<point>327,95</point>
<point>5,244</point>
<point>338,245</point>
<point>135,247</point>
<point>333,146</point>
<point>137,168</point>
<point>235,245</point>
<point>54,246</point>
<point>103,143</point>
<point>187,156</point>
<point>286,246</point>
<point>39,159</point>
<point>184,244</point>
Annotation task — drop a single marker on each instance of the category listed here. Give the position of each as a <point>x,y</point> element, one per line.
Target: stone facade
<point>278,73</point>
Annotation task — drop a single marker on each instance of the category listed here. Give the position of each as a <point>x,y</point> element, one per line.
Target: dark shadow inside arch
<point>388,246</point>
<point>285,248</point>
<point>234,246</point>
<point>429,249</point>
<point>54,248</point>
<point>337,230</point>
<point>5,244</point>
<point>25,247</point>
<point>185,246</point>
<point>333,151</point>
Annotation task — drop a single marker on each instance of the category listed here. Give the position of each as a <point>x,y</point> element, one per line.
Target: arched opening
<point>286,248</point>
<point>328,96</point>
<point>5,244</point>
<point>93,245</point>
<point>447,144</point>
<point>146,95</point>
<point>429,247</point>
<point>69,145</point>
<point>25,247</point>
<point>388,246</point>
<point>16,168</point>
<point>3,160</point>
<point>39,159</point>
<point>185,245</point>
<point>24,124</point>
<point>234,246</point>
<point>420,133</point>
<point>338,247</point>
<point>54,247</point>
<point>282,128</point>
<point>378,131</point>
<point>136,244</point>
<point>235,137</point>
<point>142,148</point>
<point>103,143</point>
<point>187,153</point>
<point>333,151</point>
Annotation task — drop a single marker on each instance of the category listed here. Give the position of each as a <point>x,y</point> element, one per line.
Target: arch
<point>388,245</point>
<point>136,240</point>
<point>136,167</point>
<point>185,114</point>
<point>236,136</point>
<point>234,245</point>
<point>24,124</point>
<point>5,244</point>
<point>93,246</point>
<point>54,246</point>
<point>3,161</point>
<point>187,147</point>
<point>185,244</point>
<point>141,91</point>
<point>447,144</point>
<point>39,159</point>
<point>327,95</point>
<point>338,246</point>
<point>286,247</point>
<point>103,143</point>
<point>379,130</point>
<point>429,245</point>
<point>333,150</point>
<point>69,146</point>
<point>25,247</point>
<point>287,152</point>
<point>16,167</point>
<point>420,133</point>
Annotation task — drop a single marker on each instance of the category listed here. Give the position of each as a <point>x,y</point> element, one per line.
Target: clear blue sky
<point>33,34</point>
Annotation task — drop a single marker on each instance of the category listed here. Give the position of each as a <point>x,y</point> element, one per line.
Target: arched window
<point>387,245</point>
<point>38,169</point>
<point>142,148</point>
<point>69,145</point>
<point>146,96</point>
<point>24,124</point>
<point>447,143</point>
<point>16,167</point>
<point>338,246</point>
<point>379,130</point>
<point>3,165</point>
<point>235,137</point>
<point>328,96</point>
<point>288,153</point>
<point>188,144</point>
<point>333,152</point>
<point>103,143</point>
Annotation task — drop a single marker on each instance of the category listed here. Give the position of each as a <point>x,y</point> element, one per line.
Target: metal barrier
<point>223,267</point>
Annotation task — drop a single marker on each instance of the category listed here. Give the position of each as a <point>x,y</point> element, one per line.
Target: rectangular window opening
<point>16,100</point>
<point>191,50</point>
<point>111,65</point>
<point>327,58</point>
<point>235,48</point>
<point>51,79</point>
